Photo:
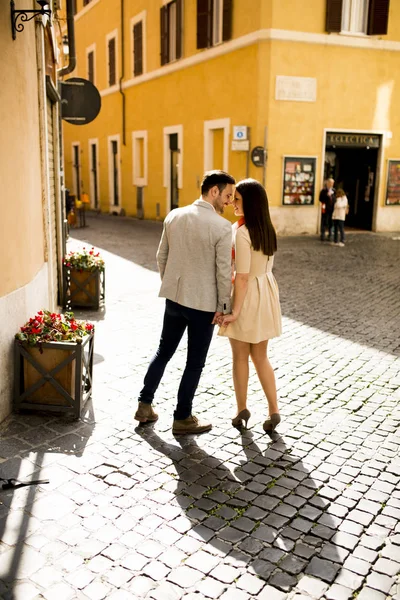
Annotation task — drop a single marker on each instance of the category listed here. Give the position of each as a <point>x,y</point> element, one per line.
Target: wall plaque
<point>300,89</point>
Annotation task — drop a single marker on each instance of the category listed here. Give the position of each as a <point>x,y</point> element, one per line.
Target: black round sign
<point>80,101</point>
<point>257,156</point>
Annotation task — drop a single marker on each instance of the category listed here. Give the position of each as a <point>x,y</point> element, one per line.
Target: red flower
<point>40,312</point>
<point>74,326</point>
<point>89,327</point>
<point>36,330</point>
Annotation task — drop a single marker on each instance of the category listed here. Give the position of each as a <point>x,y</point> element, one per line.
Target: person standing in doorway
<point>339,215</point>
<point>194,260</point>
<point>327,200</point>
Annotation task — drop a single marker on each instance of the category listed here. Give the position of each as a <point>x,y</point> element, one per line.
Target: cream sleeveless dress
<point>260,318</point>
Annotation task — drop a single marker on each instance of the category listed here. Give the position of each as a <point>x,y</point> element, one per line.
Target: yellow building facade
<point>189,85</point>
<point>31,220</point>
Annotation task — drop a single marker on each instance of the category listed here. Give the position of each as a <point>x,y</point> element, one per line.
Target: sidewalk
<point>131,512</point>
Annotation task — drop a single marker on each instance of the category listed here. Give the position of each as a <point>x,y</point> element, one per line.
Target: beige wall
<point>21,241</point>
<point>24,286</point>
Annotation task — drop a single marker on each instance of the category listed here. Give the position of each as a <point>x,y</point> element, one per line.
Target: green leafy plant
<point>84,260</point>
<point>47,326</point>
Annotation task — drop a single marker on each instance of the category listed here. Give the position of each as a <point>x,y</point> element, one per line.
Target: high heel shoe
<point>244,415</point>
<point>271,423</point>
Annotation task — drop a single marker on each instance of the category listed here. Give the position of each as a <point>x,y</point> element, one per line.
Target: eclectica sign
<point>360,140</point>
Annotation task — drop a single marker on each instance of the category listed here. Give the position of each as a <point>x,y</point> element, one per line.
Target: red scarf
<point>239,224</point>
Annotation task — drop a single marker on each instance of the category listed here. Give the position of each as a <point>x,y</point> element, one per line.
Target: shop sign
<point>360,140</point>
<point>298,180</point>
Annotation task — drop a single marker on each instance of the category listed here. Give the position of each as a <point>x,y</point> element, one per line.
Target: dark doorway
<point>354,170</point>
<point>174,161</point>
<point>114,151</point>
<point>77,169</point>
<point>94,176</point>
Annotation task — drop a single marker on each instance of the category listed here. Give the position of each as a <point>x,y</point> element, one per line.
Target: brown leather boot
<point>190,425</point>
<point>145,413</point>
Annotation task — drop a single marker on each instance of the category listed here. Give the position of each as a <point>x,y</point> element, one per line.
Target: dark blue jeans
<point>200,330</point>
<point>326,224</point>
<point>339,228</point>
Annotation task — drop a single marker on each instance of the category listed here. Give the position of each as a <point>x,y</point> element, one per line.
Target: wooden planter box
<point>84,289</point>
<point>58,379</point>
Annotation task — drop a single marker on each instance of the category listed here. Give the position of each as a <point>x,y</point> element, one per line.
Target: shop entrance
<point>352,161</point>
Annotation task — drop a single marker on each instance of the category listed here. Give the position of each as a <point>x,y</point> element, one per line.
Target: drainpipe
<point>71,41</point>
<point>123,75</point>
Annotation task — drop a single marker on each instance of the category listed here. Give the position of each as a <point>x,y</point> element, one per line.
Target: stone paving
<point>132,512</point>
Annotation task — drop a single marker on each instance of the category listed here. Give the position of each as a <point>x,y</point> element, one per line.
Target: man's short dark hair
<point>218,178</point>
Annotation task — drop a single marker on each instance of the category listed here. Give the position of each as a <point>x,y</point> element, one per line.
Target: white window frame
<point>167,160</point>
<point>75,183</point>
<point>209,127</point>
<point>114,207</point>
<point>89,49</point>
<point>217,35</point>
<point>94,142</point>
<point>110,36</point>
<point>142,16</point>
<point>137,180</point>
<point>353,9</point>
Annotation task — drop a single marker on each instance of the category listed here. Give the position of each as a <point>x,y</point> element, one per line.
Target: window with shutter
<point>378,17</point>
<point>214,22</point>
<point>204,21</point>
<point>171,16</point>
<point>90,66</point>
<point>164,34</point>
<point>112,74</point>
<point>357,16</point>
<point>227,20</point>
<point>334,16</point>
<point>138,49</point>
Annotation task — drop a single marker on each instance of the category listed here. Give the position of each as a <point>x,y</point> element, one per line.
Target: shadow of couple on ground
<point>263,517</point>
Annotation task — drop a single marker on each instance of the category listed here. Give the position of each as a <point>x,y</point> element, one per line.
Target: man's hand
<point>216,318</point>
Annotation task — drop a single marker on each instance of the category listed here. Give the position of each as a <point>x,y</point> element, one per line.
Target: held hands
<point>224,320</point>
<point>216,318</point>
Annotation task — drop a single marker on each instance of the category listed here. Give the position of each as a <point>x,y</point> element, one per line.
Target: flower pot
<point>84,289</point>
<point>56,376</point>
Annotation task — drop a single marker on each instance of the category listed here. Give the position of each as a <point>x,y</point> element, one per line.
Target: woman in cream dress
<point>256,313</point>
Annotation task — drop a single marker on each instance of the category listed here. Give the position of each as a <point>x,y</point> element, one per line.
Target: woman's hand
<point>226,319</point>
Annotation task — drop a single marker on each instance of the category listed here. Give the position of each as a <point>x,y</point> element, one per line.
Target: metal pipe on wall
<point>71,41</point>
<point>121,91</point>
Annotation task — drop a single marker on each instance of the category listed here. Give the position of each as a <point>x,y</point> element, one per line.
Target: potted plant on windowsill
<point>53,364</point>
<point>84,279</point>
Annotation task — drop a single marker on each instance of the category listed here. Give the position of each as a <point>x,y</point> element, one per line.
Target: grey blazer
<point>194,258</point>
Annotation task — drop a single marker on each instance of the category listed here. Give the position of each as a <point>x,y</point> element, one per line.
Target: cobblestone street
<point>132,512</point>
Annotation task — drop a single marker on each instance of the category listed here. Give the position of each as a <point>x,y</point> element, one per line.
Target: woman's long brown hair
<point>257,217</point>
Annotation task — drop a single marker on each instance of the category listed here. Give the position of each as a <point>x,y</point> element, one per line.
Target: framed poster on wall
<point>298,180</point>
<point>393,183</point>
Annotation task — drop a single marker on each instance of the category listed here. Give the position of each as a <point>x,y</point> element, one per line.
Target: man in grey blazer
<point>194,260</point>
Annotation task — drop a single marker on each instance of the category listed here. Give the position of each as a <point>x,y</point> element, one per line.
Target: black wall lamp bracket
<point>19,17</point>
